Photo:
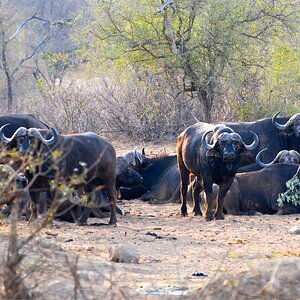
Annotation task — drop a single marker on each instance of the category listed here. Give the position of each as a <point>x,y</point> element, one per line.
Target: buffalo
<point>213,161</point>
<point>258,191</point>
<point>19,120</point>
<point>126,176</point>
<point>274,133</point>
<point>283,157</point>
<point>84,161</point>
<point>160,178</point>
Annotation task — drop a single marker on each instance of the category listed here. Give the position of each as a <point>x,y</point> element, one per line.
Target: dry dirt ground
<point>171,249</point>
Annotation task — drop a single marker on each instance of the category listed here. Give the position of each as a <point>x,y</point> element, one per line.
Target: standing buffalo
<point>211,162</point>
<point>125,177</point>
<point>274,133</point>
<point>84,161</point>
<point>19,120</point>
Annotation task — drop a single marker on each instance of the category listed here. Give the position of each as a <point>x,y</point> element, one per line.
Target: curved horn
<point>205,143</point>
<point>264,165</point>
<point>20,131</point>
<point>137,157</point>
<point>277,125</point>
<point>296,154</point>
<point>255,142</point>
<point>36,133</point>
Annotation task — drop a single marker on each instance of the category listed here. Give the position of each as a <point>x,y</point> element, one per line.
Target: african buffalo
<point>283,156</point>
<point>160,178</point>
<point>258,191</point>
<point>216,161</point>
<point>274,133</point>
<point>12,186</point>
<point>125,177</point>
<point>19,120</point>
<point>84,161</point>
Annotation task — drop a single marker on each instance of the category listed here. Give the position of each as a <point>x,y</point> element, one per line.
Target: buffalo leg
<point>220,199</point>
<point>34,206</point>
<point>184,181</point>
<point>111,193</point>
<point>209,200</point>
<point>196,192</point>
<point>82,220</point>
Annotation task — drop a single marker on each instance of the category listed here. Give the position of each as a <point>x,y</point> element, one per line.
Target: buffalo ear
<point>213,152</point>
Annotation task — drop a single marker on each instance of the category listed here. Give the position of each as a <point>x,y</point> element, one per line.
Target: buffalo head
<point>283,157</point>
<point>227,144</point>
<point>26,138</point>
<point>126,175</point>
<point>292,126</point>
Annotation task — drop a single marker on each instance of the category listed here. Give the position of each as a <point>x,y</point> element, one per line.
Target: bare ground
<point>171,249</point>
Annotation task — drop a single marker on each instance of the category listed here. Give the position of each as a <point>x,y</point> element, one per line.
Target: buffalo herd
<point>234,168</point>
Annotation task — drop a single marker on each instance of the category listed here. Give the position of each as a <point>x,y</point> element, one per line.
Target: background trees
<point>145,69</point>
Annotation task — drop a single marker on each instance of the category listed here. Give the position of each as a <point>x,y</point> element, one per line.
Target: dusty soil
<point>171,249</point>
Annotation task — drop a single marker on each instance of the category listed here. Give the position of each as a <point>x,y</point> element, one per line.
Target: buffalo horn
<point>205,143</point>
<point>255,142</point>
<point>264,165</point>
<point>51,141</point>
<point>283,126</point>
<point>137,157</point>
<point>20,131</point>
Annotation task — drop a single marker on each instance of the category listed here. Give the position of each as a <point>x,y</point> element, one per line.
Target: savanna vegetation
<point>146,69</point>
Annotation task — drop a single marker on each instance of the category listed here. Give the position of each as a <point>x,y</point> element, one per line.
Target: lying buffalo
<point>274,133</point>
<point>214,161</point>
<point>258,191</point>
<point>160,178</point>
<point>84,161</point>
<point>283,157</point>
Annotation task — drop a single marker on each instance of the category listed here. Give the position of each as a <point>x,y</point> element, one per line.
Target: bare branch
<point>35,50</point>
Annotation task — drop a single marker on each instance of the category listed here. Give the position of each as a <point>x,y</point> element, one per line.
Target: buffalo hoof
<point>79,223</point>
<point>183,213</point>
<point>197,213</point>
<point>208,216</point>
<point>219,217</point>
<point>112,221</point>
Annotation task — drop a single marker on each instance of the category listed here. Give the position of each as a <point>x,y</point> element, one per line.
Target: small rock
<point>51,233</point>
<point>199,274</point>
<point>123,253</point>
<point>154,235</point>
<point>295,229</point>
<point>68,240</point>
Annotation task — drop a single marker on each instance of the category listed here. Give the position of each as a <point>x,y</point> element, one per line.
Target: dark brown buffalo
<point>66,158</point>
<point>216,161</point>
<point>283,157</point>
<point>14,121</point>
<point>274,133</point>
<point>160,177</point>
<point>258,191</point>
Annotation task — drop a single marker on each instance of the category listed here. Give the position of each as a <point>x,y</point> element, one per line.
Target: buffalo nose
<point>229,156</point>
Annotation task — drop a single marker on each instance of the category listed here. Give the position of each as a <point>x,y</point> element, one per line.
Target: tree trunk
<point>206,101</point>
<point>9,93</point>
<point>7,72</point>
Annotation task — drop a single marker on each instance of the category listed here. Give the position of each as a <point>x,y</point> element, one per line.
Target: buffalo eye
<point>223,144</point>
<point>236,145</point>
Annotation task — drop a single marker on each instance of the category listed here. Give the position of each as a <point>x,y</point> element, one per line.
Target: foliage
<point>213,47</point>
<point>292,194</point>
